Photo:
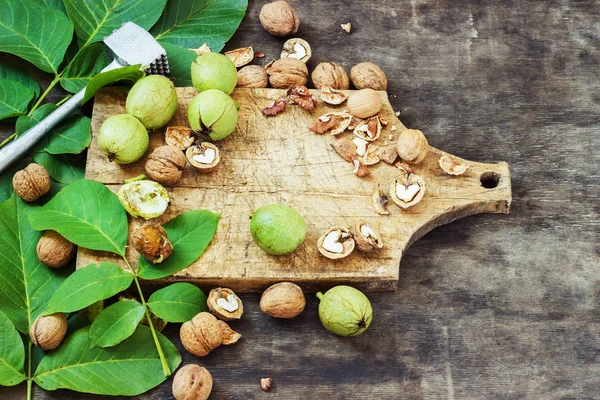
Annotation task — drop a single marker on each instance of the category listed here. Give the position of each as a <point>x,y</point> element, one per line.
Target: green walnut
<point>277,229</point>
<point>345,311</point>
<point>123,138</point>
<point>214,113</point>
<point>214,71</point>
<point>144,199</point>
<point>152,100</point>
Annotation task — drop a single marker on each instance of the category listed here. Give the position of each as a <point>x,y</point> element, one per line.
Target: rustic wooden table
<point>488,307</point>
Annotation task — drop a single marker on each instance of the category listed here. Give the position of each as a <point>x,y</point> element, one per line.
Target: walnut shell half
<point>240,57</point>
<point>224,304</point>
<point>32,182</point>
<point>286,73</point>
<point>407,190</point>
<point>296,48</point>
<point>205,157</point>
<point>229,335</point>
<point>283,300</point>
<point>331,74</point>
<point>336,243</point>
<point>366,238</point>
<point>54,250</point>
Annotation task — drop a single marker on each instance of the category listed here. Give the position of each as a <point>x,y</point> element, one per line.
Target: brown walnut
<point>165,165</point>
<point>54,250</point>
<point>205,157</point>
<point>152,242</point>
<point>252,76</point>
<point>202,334</point>
<point>286,73</point>
<point>412,146</point>
<point>192,382</point>
<point>32,182</point>
<point>367,75</point>
<point>364,103</point>
<point>279,18</point>
<point>331,74</point>
<point>283,300</point>
<point>47,332</point>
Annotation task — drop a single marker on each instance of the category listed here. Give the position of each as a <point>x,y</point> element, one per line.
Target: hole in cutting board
<point>489,180</point>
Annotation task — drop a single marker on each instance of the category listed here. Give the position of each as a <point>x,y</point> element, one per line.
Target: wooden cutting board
<point>278,160</point>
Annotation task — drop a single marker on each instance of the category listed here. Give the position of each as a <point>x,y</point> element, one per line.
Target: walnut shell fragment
<point>252,76</point>
<point>192,382</point>
<point>388,154</point>
<point>368,75</point>
<point>360,169</point>
<point>368,130</point>
<point>279,18</point>
<point>202,334</point>
<point>202,49</point>
<point>336,122</point>
<point>277,107</point>
<point>346,27</point>
<point>407,190</point>
<point>205,157</point>
<point>54,250</point>
<point>224,304</point>
<point>31,183</point>
<point>265,384</point>
<point>332,96</point>
<point>283,300</point>
<point>165,164</point>
<point>241,57</point>
<point>301,96</point>
<point>364,103</point>
<point>451,166</point>
<point>346,148</point>
<point>286,73</point>
<point>371,154</point>
<point>296,48</point>
<point>331,74</point>
<point>179,136</point>
<point>379,199</point>
<point>229,335</point>
<point>336,243</point>
<point>366,238</point>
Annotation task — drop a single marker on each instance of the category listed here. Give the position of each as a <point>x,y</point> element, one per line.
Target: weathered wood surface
<point>278,160</point>
<point>488,307</point>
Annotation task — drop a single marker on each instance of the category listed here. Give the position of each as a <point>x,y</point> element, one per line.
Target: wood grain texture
<point>277,160</point>
<point>488,307</point>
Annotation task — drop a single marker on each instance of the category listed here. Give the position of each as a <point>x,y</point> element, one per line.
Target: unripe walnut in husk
<point>279,18</point>
<point>367,75</point>
<point>202,334</point>
<point>214,113</point>
<point>47,332</point>
<point>213,71</point>
<point>252,76</point>
<point>283,300</point>
<point>54,250</point>
<point>152,100</point>
<point>152,242</point>
<point>192,382</point>
<point>345,311</point>
<point>286,73</point>
<point>330,74</point>
<point>31,183</point>
<point>277,229</point>
<point>165,165</point>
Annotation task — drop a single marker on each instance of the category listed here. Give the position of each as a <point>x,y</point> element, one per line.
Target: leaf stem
<point>161,355</point>
<point>29,379</point>
<point>63,100</point>
<point>46,92</point>
<point>8,140</point>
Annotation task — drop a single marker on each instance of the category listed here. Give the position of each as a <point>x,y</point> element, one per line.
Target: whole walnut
<point>279,18</point>
<point>252,76</point>
<point>202,334</point>
<point>32,182</point>
<point>54,250</point>
<point>367,75</point>
<point>331,74</point>
<point>192,382</point>
<point>152,242</point>
<point>283,300</point>
<point>286,73</point>
<point>165,164</point>
<point>47,332</point>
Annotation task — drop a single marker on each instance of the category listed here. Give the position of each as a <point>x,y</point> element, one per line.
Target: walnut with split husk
<point>229,335</point>
<point>332,96</point>
<point>279,18</point>
<point>360,169</point>
<point>368,75</point>
<point>277,107</point>
<point>366,238</point>
<point>336,122</point>
<point>452,167</point>
<point>336,243</point>
<point>331,74</point>
<point>181,137</point>
<point>31,183</point>
<point>225,304</point>
<point>192,382</point>
<point>283,300</point>
<point>296,48</point>
<point>241,57</point>
<point>205,157</point>
<point>368,130</point>
<point>286,73</point>
<point>412,146</point>
<point>54,250</point>
<point>165,164</point>
<point>379,199</point>
<point>202,334</point>
<point>302,97</point>
<point>364,103</point>
<point>152,242</point>
<point>252,76</point>
<point>47,332</point>
<point>407,190</point>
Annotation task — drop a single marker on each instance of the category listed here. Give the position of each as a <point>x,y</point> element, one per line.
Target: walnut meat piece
<point>283,300</point>
<point>48,332</point>
<point>286,73</point>
<point>367,75</point>
<point>179,136</point>
<point>279,18</point>
<point>192,382</point>
<point>202,334</point>
<point>152,242</point>
<point>252,76</point>
<point>165,165</point>
<point>331,74</point>
<point>54,250</point>
<point>31,183</point>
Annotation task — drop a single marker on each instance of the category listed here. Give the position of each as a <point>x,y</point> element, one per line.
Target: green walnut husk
<point>144,199</point>
<point>345,311</point>
<point>214,113</point>
<point>123,139</point>
<point>277,229</point>
<point>152,100</point>
<point>214,71</point>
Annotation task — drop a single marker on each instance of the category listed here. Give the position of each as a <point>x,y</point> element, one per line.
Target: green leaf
<point>12,354</point>
<point>88,214</point>
<point>57,4</point>
<point>180,60</point>
<point>178,302</point>
<point>190,234</point>
<point>71,136</point>
<point>62,168</point>
<point>190,23</point>
<point>88,285</point>
<point>34,32</point>
<point>14,98</point>
<point>129,74</point>
<point>26,284</point>
<point>25,122</point>
<point>94,20</point>
<point>13,73</point>
<point>86,64</point>
<point>116,323</point>
<point>128,369</point>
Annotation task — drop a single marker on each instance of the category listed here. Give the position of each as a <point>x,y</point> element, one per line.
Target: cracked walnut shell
<point>165,165</point>
<point>279,18</point>
<point>31,183</point>
<point>336,243</point>
<point>240,57</point>
<point>283,300</point>
<point>252,76</point>
<point>205,157</point>
<point>48,332</point>
<point>367,75</point>
<point>229,335</point>
<point>366,238</point>
<point>224,304</point>
<point>407,190</point>
<point>192,382</point>
<point>202,334</point>
<point>286,73</point>
<point>54,250</point>
<point>296,48</point>
<point>331,74</point>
